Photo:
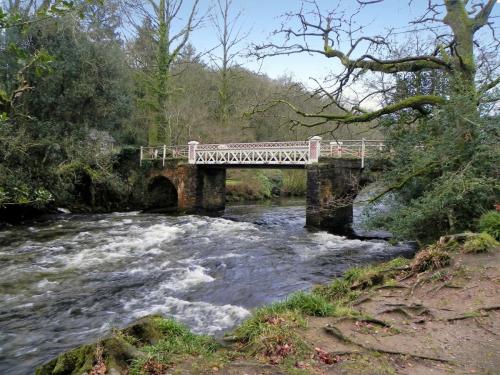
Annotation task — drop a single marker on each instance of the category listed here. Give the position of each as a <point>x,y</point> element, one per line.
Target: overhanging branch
<point>413,102</point>
<point>406,64</point>
<point>488,86</point>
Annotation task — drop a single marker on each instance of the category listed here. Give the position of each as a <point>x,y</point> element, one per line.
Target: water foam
<point>202,317</point>
<point>187,279</point>
<point>120,245</point>
<point>325,243</point>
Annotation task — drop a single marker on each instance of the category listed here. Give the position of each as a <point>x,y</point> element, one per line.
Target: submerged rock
<point>111,355</point>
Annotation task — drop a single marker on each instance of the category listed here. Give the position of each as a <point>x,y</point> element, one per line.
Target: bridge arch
<point>161,195</point>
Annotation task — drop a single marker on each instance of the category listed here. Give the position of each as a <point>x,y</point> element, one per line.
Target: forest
<point>84,84</point>
<point>95,281</point>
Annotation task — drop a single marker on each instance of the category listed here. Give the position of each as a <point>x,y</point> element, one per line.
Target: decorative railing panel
<point>287,156</point>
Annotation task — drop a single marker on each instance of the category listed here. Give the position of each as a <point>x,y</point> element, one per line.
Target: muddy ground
<point>444,322</point>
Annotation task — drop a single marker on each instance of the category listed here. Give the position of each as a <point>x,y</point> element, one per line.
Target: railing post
<point>339,148</point>
<point>140,161</point>
<point>192,152</point>
<point>314,149</point>
<point>164,154</point>
<point>363,147</point>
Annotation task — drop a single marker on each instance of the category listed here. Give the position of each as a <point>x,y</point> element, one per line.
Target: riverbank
<point>436,313</point>
<point>69,279</point>
<point>261,184</point>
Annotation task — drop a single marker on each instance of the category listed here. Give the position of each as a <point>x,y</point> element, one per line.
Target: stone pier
<point>332,186</point>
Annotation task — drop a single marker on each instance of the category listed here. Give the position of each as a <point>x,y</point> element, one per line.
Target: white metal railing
<point>163,153</point>
<point>352,148</point>
<point>266,153</point>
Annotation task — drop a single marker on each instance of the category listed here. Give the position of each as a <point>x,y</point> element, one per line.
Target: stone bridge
<point>191,178</point>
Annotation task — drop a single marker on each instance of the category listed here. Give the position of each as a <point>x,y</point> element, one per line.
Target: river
<point>70,279</point>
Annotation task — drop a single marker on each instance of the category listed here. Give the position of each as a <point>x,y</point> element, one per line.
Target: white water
<point>70,280</point>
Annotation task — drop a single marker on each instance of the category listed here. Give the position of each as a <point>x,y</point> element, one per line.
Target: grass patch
<point>178,343</point>
<point>271,334</point>
<point>338,291</point>
<point>294,182</point>
<point>489,222</point>
<point>309,304</point>
<point>365,277</point>
<point>481,243</point>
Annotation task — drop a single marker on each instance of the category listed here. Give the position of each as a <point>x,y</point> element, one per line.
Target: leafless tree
<point>449,43</point>
<point>229,35</point>
<point>169,41</point>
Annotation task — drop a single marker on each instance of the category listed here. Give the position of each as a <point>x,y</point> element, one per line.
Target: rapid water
<point>71,279</point>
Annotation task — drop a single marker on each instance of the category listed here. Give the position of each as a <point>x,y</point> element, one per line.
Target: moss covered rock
<point>114,353</point>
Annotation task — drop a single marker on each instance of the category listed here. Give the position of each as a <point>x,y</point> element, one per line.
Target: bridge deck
<point>266,154</point>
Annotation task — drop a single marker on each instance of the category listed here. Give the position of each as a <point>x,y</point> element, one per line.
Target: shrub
<point>431,258</point>
<point>490,223</point>
<point>481,243</point>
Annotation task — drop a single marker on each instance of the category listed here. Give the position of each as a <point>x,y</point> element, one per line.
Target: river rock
<point>114,352</point>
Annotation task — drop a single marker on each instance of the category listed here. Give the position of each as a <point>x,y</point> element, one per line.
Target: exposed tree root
<point>407,276</point>
<point>460,237</point>
<point>361,299</point>
<point>479,313</point>
<point>397,286</point>
<point>346,352</point>
<point>480,325</point>
<point>444,285</point>
<point>337,333</point>
<point>418,283</point>
<point>465,316</point>
<point>490,308</point>
<point>365,320</point>
<point>397,310</point>
<point>410,311</point>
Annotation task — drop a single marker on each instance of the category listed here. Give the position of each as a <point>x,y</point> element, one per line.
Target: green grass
<point>481,243</point>
<point>365,277</point>
<point>309,304</point>
<point>271,328</point>
<point>338,291</point>
<point>489,222</point>
<point>178,343</point>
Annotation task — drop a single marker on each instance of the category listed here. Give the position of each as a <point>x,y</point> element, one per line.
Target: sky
<point>261,17</point>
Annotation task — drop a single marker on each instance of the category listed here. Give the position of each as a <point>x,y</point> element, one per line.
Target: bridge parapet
<point>353,149</point>
<point>287,153</point>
